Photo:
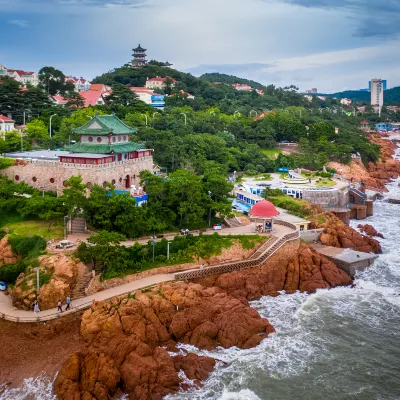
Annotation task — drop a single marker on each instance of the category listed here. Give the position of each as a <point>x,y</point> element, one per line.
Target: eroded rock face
<point>7,256</point>
<point>370,230</point>
<point>62,272</point>
<point>338,234</point>
<point>129,337</point>
<point>307,271</point>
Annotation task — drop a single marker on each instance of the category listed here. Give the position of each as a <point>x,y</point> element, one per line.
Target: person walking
<point>59,306</point>
<point>36,308</point>
<point>201,266</point>
<point>68,301</point>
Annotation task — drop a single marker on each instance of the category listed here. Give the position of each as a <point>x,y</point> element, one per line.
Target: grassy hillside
<point>230,79</point>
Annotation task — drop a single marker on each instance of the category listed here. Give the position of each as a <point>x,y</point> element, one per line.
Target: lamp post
<point>252,112</point>
<point>153,243</point>
<point>50,122</point>
<point>185,118</point>
<point>37,279</point>
<point>168,249</point>
<point>209,212</point>
<point>236,112</point>
<point>65,226</point>
<point>145,115</point>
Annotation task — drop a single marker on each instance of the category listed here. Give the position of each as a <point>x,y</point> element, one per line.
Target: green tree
<point>75,100</point>
<point>121,95</point>
<point>37,131</point>
<point>52,80</point>
<point>74,196</point>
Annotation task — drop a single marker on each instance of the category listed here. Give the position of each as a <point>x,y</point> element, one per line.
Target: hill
<point>391,96</point>
<point>206,93</point>
<point>230,79</point>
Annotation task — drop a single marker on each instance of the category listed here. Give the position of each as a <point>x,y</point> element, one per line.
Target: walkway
<point>283,232</point>
<point>9,312</point>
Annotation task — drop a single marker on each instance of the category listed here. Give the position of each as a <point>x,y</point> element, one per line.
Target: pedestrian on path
<point>59,306</point>
<point>68,301</point>
<point>201,266</point>
<point>36,307</point>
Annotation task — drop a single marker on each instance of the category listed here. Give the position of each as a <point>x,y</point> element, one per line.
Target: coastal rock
<point>7,256</point>
<point>370,230</point>
<point>128,336</point>
<point>338,234</point>
<point>307,271</point>
<point>61,273</point>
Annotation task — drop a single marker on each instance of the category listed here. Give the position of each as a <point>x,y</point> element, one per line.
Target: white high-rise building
<point>377,92</point>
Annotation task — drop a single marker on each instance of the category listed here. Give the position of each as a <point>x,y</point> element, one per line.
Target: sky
<point>331,45</point>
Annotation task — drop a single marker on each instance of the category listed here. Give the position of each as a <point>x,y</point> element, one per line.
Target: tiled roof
<point>161,79</point>
<point>98,87</point>
<point>59,99</point>
<point>108,124</point>
<point>20,72</point>
<point>90,97</point>
<point>108,148</point>
<point>5,119</point>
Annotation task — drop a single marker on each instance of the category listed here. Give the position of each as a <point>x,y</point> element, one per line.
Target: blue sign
<point>283,169</point>
<point>157,98</point>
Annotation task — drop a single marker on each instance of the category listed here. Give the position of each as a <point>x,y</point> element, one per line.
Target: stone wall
<point>53,174</point>
<point>327,198</point>
<point>311,235</point>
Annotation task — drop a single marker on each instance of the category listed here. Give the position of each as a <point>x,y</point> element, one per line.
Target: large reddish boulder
<point>338,234</point>
<point>370,230</point>
<point>7,256</point>
<point>307,271</point>
<point>128,337</point>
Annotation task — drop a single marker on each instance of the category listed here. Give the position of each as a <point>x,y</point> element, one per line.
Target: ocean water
<point>338,344</point>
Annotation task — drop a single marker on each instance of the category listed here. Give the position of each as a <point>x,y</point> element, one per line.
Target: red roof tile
<point>5,119</point>
<point>90,97</point>
<point>264,209</point>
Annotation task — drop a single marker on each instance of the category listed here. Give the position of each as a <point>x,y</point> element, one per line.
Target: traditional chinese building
<point>139,57</point>
<point>103,154</point>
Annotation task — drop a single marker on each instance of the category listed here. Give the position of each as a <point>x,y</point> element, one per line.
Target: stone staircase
<point>78,225</point>
<point>82,282</point>
<point>257,259</point>
<point>232,222</point>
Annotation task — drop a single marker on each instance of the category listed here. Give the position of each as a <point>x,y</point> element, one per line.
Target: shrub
<point>2,233</point>
<point>10,272</point>
<point>28,247</point>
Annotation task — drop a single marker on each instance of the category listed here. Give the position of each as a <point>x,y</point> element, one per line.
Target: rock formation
<point>128,339</point>
<point>338,234</point>
<point>307,271</point>
<point>370,230</point>
<point>60,271</point>
<point>7,256</point>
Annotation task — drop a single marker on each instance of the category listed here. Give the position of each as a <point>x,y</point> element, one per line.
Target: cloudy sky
<point>332,45</point>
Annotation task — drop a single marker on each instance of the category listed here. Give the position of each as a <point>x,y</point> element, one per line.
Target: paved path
<point>8,309</point>
<point>9,312</point>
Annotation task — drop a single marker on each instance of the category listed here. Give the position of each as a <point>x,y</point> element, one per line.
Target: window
<point>34,179</point>
<point>125,156</point>
<point>104,184</point>
<point>90,139</point>
<point>99,139</point>
<point>52,180</point>
<point>89,185</point>
<point>124,138</point>
<point>17,177</point>
<point>114,139</point>
<point>113,181</point>
<point>119,138</point>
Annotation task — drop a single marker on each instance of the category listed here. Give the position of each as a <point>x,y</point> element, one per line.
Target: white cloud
<point>19,22</point>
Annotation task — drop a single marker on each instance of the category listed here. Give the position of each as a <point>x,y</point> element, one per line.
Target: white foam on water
<point>242,395</point>
<point>39,388</point>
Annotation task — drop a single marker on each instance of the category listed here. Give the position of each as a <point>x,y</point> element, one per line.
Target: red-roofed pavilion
<point>263,214</point>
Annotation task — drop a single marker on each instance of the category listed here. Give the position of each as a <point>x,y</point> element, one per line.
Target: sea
<point>337,344</point>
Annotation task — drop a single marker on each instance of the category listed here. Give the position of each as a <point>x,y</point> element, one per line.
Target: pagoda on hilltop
<point>139,57</point>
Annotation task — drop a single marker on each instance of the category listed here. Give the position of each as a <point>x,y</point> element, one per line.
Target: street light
<point>168,249</point>
<point>185,118</point>
<point>252,112</point>
<point>153,243</point>
<point>38,279</point>
<point>234,115</point>
<point>50,122</point>
<point>65,226</point>
<point>145,115</point>
<point>209,212</point>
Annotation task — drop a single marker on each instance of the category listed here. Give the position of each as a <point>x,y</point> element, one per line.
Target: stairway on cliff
<point>82,282</point>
